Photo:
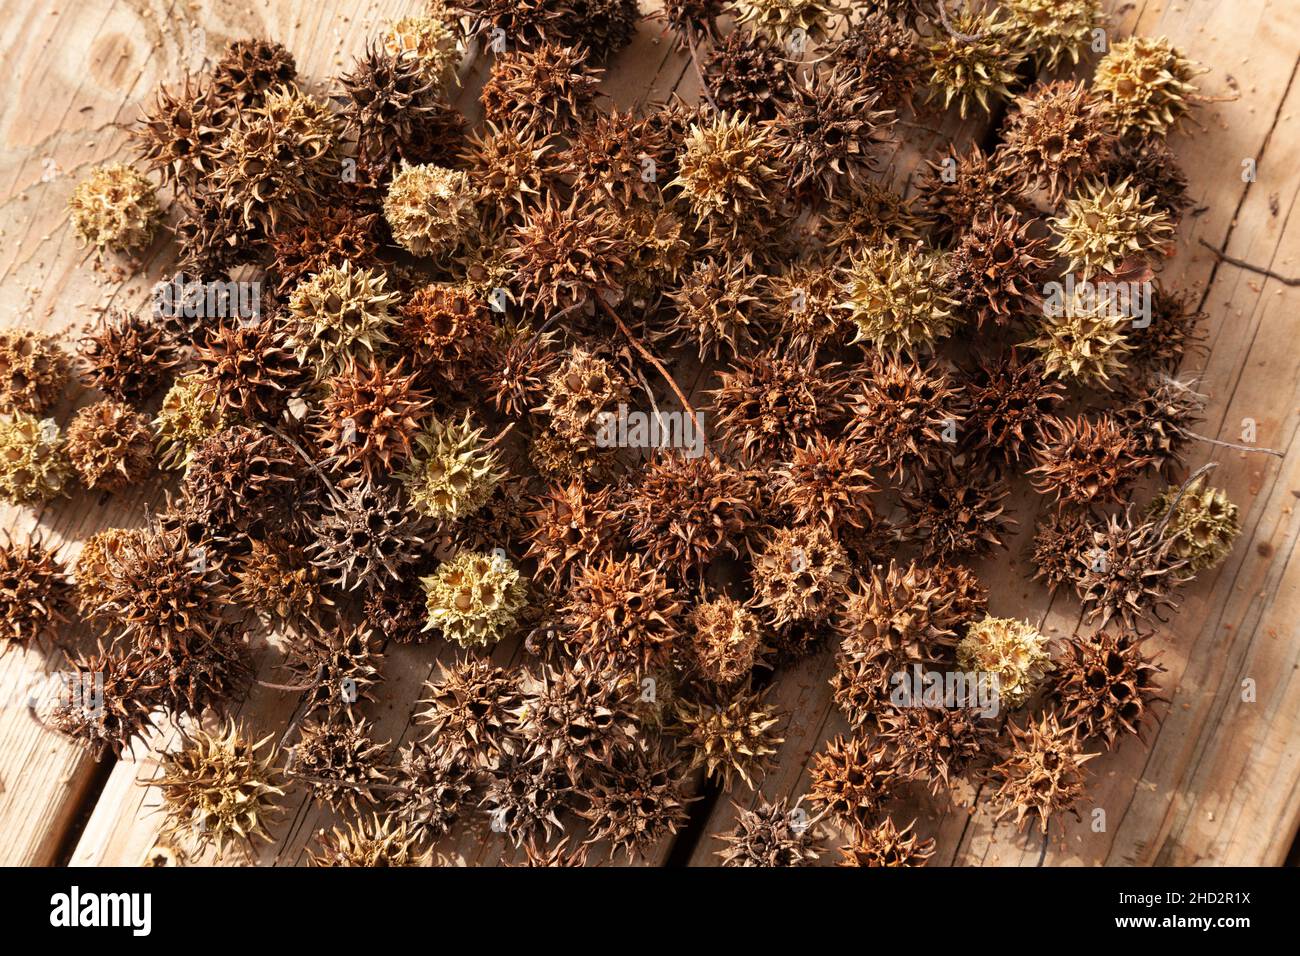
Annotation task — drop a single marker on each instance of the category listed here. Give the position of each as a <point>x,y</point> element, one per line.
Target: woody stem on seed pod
<point>695,61</point>
<point>659,366</point>
<point>1182,490</point>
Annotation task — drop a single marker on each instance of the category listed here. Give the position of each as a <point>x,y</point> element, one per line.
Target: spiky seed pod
<point>110,446</point>
<point>277,162</point>
<point>575,719</point>
<point>434,790</point>
<point>366,536</point>
<point>933,744</point>
<point>336,234</point>
<point>726,172</point>
<point>1204,525</point>
<point>558,854</point>
<point>195,671</point>
<point>976,67</point>
<point>338,761</point>
<point>1010,406</point>
<point>251,68</point>
<point>509,169</point>
<point>657,246</point>
<point>622,614</point>
<point>691,19</point>
<point>178,135</point>
<point>1106,225</point>
<point>340,666</point>
<point>571,525</point>
<point>158,587</point>
<point>902,414</point>
<point>253,368</point>
<point>867,215</point>
<point>524,799</point>
<point>898,297</point>
<point>387,99</point>
<point>219,788</point>
<point>1087,460</point>
<point>468,712</point>
<point>780,19</point>
<point>800,575</point>
<point>374,841</point>
<point>577,392</point>
<point>768,403</point>
<point>369,416</point>
<point>34,371</point>
<point>115,208</point>
<point>685,512</point>
<point>885,55</point>
<point>549,89</point>
<point>1151,166</point>
<point>826,482</point>
<point>127,357</point>
<point>191,414</point>
<point>1015,651</point>
<point>850,779</point>
<point>120,712</point>
<point>474,599</point>
<point>832,134</point>
<point>93,566</point>
<point>956,513</point>
<point>34,465</point>
<point>1159,415</point>
<point>278,582</point>
<point>960,187</point>
<point>564,257</point>
<point>634,804</point>
<point>430,209</point>
<point>1128,572</point>
<point>448,328</point>
<point>396,611</point>
<point>608,157</point>
<point>244,478</point>
<point>886,845</point>
<point>429,40</point>
<point>557,459</point>
<point>802,302</point>
<point>1057,136</point>
<point>1172,332</point>
<point>1147,83</point>
<point>770,835</point>
<point>731,734</point>
<point>1082,341</point>
<point>1061,536</point>
<point>749,75</point>
<point>717,305</point>
<point>451,474</point>
<point>1053,30</point>
<point>996,271</point>
<point>726,640</point>
<point>339,315</point>
<point>1043,772</point>
<point>527,24</point>
<point>212,236</point>
<point>1104,685</point>
<point>35,593</point>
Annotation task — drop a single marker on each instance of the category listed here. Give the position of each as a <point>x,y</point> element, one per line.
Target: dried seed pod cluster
<point>462,415</point>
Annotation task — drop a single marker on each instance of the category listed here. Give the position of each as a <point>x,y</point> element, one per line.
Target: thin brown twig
<point>499,435</point>
<point>1249,267</point>
<point>659,366</point>
<point>1246,448</point>
<point>1209,466</point>
<point>695,60</point>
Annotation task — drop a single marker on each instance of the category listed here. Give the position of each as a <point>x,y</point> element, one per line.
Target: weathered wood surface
<point>1214,783</point>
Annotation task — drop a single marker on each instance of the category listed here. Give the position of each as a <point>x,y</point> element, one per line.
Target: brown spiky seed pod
<point>609,158</point>
<point>387,100</point>
<point>430,209</point>
<point>634,804</point>
<point>932,744</point>
<point>975,63</point>
<point>338,761</point>
<point>35,593</point>
<point>726,640</point>
<point>1061,536</point>
<point>769,403</point>
<point>115,208</point>
<point>1172,332</point>
<point>1105,685</point>
<point>250,68</point>
<point>371,842</point>
<point>726,173</point>
<point>1057,136</point>
<point>449,329</point>
<point>956,512</point>
<point>1204,524</point>
<point>549,89</point>
<point>369,417</point>
<point>220,787</point>
<point>996,272</point>
<point>749,74</point>
<point>1128,572</point>
<point>850,779</point>
<point>179,134</point>
<point>434,790</point>
<point>279,583</point>
<point>1087,460</point>
<point>1010,406</point>
<point>730,734</point>
<point>772,834</point>
<point>1042,773</point>
<point>34,371</point>
<point>572,525</point>
<point>106,701</point>
<point>468,712</point>
<point>826,482</point>
<point>366,536</point>
<point>621,613</point>
<point>243,478</point>
<point>565,257</point>
<point>336,234</point>
<point>959,187</point>
<point>253,368</point>
<point>110,446</point>
<point>127,357</point>
<point>800,575</point>
<point>1015,651</point>
<point>1147,83</point>
<point>1159,414</point>
<point>578,391</point>
<point>886,845</point>
<point>903,415</point>
<point>885,55</point>
<point>338,667</point>
<point>509,169</point>
<point>524,799</point>
<point>195,670</point>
